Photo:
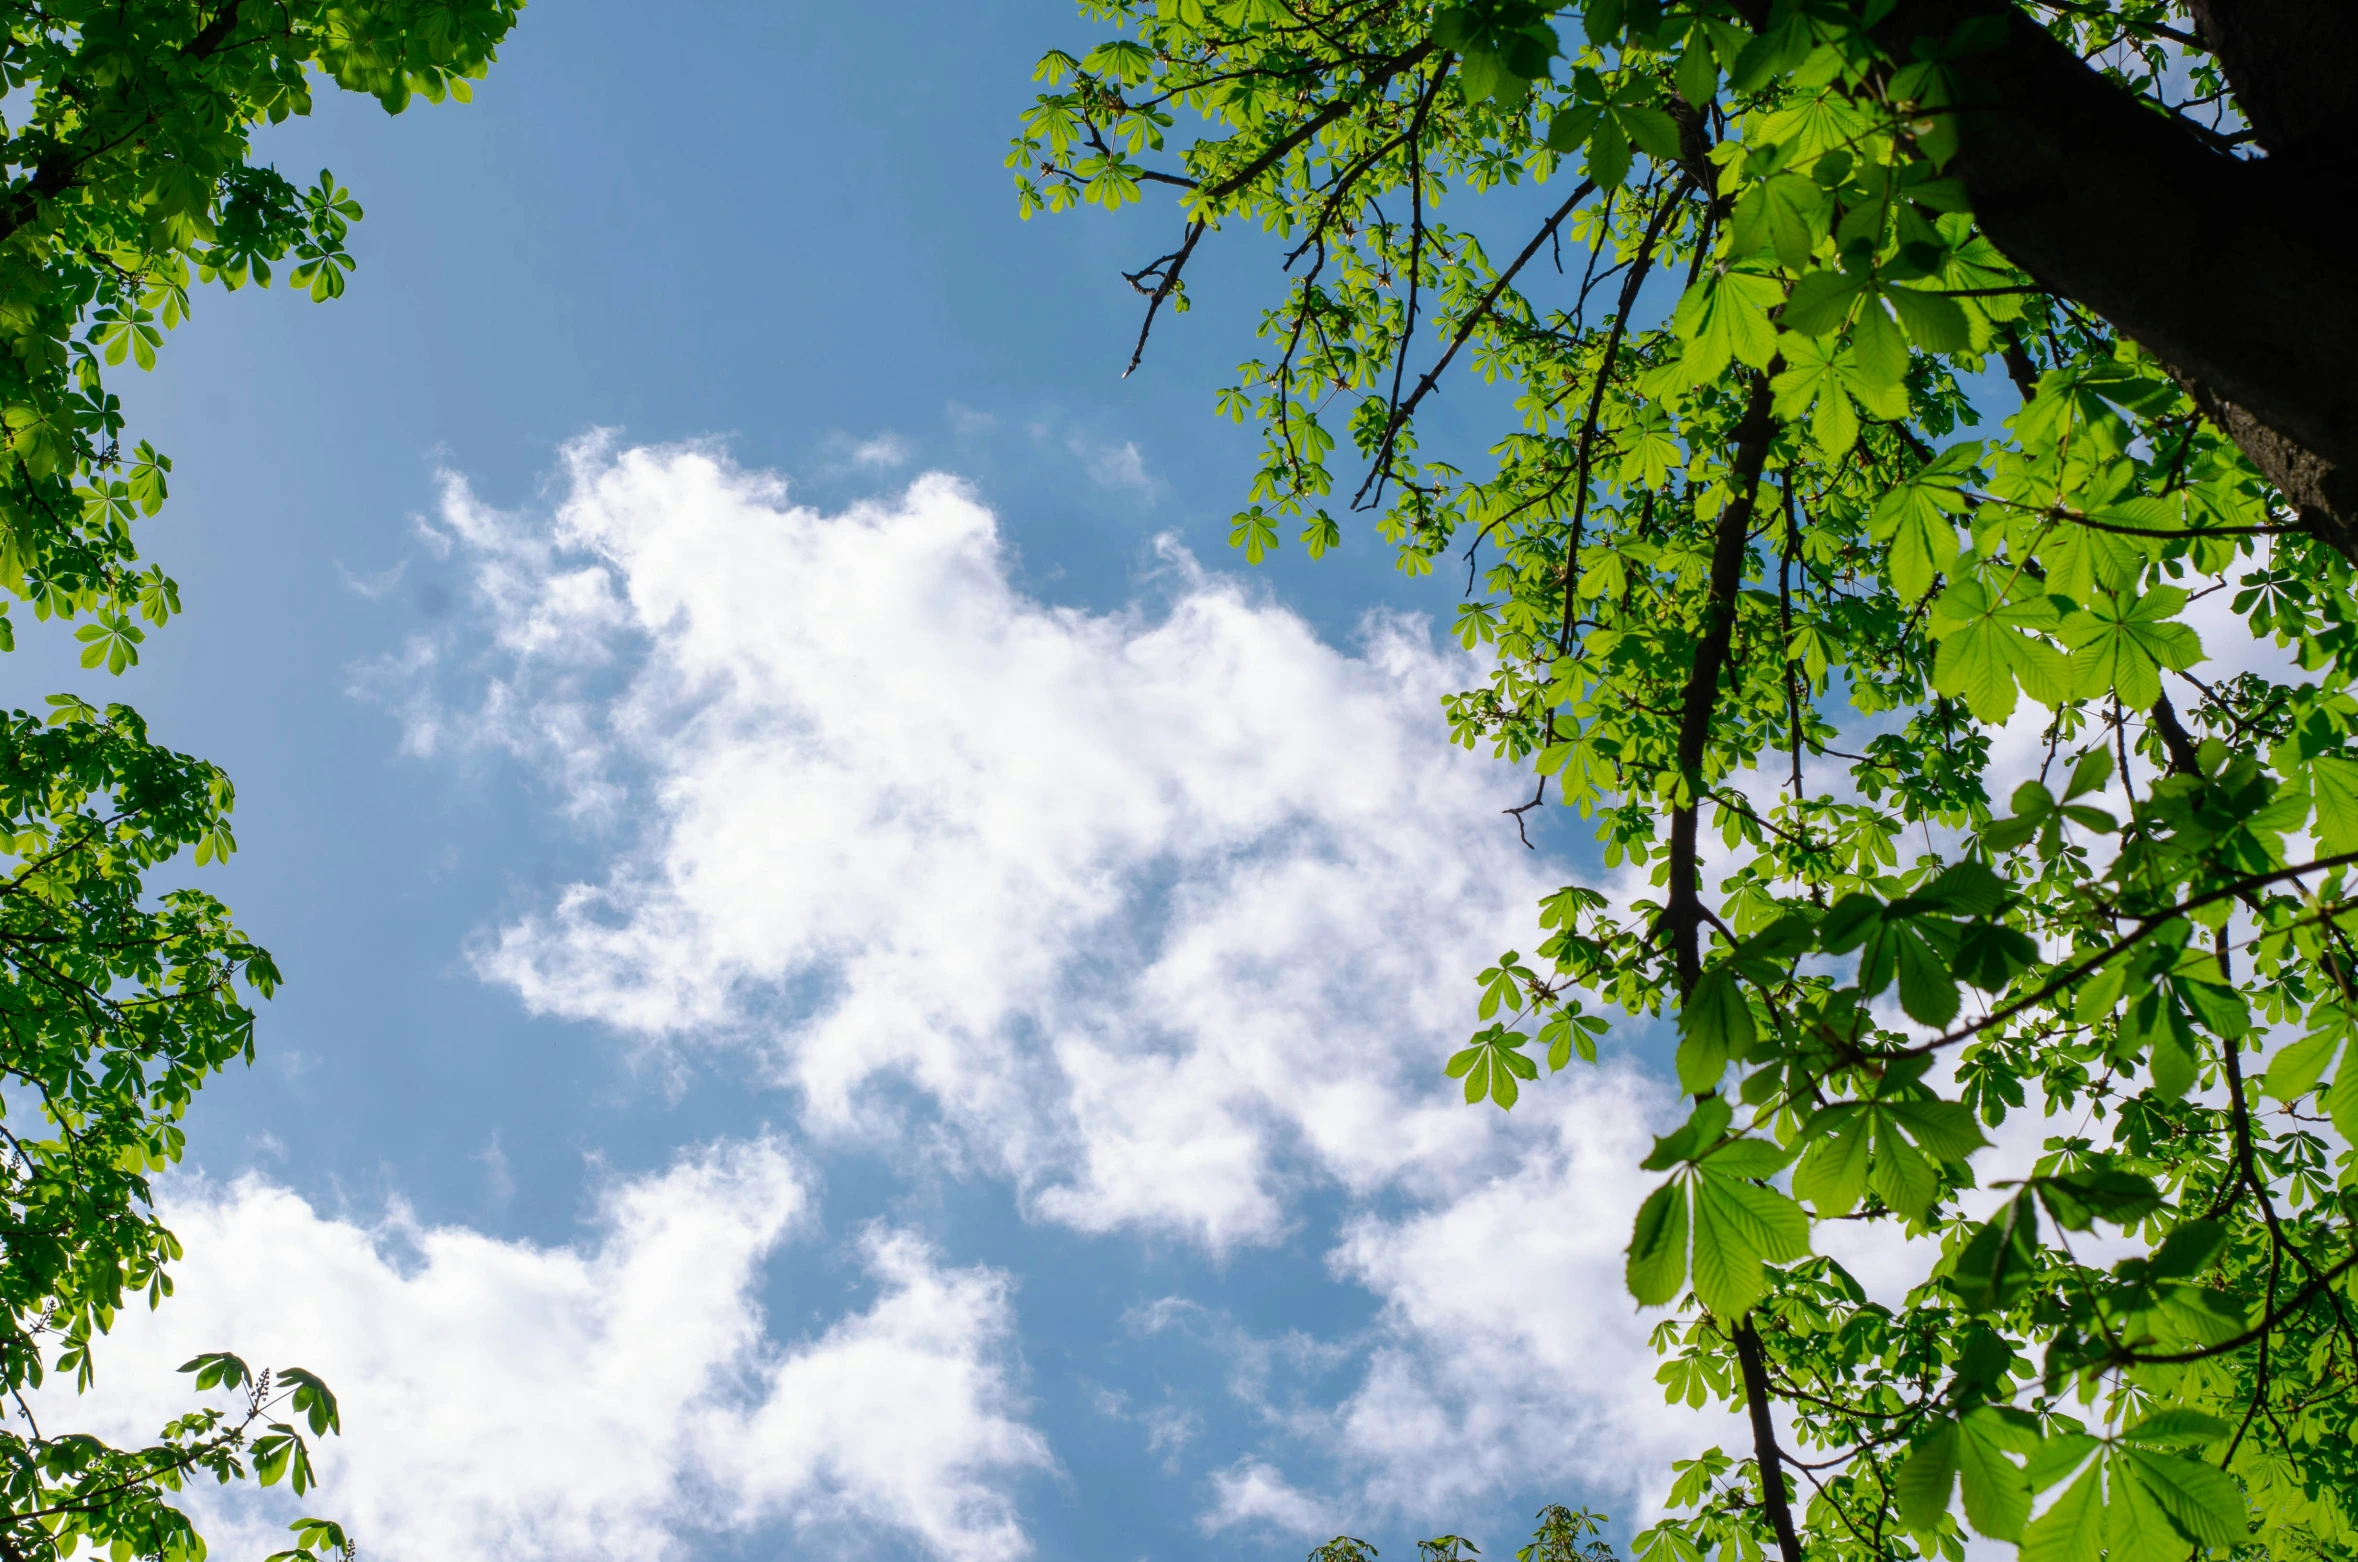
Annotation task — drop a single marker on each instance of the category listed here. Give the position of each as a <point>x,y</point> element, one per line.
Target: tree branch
<point>1474,317</point>
<point>1764,1438</point>
<point>2234,272</point>
<point>1682,911</point>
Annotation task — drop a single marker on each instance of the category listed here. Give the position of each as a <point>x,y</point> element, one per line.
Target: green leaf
<point>1655,133</point>
<point>1997,1492</point>
<point>313,1400</point>
<point>1819,303</point>
<point>2120,644</point>
<point>2334,784</point>
<point>1609,160</point>
<point>1854,917</point>
<point>1995,1264</point>
<point>1991,955</point>
<point>1749,1158</point>
<point>2202,1501</point>
<point>1697,74</point>
<point>1738,1226</point>
<point>2092,774</point>
<point>1703,1127</point>
<point>1715,1026</point>
<point>1254,531</point>
<point>1967,889</point>
<point>1944,1128</point>
<point>2135,1525</point>
<point>1724,319</point>
<point>2178,1424</point>
<point>2295,1070</point>
<point>1657,1268</point>
<point>1927,1479</point>
<point>1491,1065</point>
<point>1900,1175</point>
<point>2073,1530</point>
<point>2341,1101</point>
<point>1936,323</point>
<point>1927,992</point>
<point>1878,348</point>
<point>1569,130</point>
<point>1833,1171</point>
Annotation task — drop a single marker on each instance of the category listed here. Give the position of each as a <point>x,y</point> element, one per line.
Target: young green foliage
<point>1737,566</point>
<point>125,149</point>
<point>129,184</point>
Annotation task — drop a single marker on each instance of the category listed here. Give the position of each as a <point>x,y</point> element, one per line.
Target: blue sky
<point>851,977</point>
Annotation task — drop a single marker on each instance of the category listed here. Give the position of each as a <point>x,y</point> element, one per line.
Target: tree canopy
<point>127,180</point>
<point>1895,395</point>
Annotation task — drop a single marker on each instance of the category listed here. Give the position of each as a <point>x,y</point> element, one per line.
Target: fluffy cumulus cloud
<point>1156,910</point>
<point>1164,915</point>
<point>614,1400</point>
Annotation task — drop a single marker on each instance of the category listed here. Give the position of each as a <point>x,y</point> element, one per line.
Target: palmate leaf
<point>1492,1064</point>
<point>1736,1225</point>
<point>1988,648</point>
<point>1739,1226</point>
<point>1723,320</point>
<point>2121,643</point>
<point>2082,561</point>
<point>1853,1145</point>
<point>1821,380</point>
<point>1915,518</point>
<point>1783,214</point>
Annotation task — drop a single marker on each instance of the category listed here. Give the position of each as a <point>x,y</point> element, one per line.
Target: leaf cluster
<point>127,182</point>
<point>1809,503</point>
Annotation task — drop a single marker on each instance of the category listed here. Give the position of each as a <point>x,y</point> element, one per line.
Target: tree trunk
<point>2238,273</point>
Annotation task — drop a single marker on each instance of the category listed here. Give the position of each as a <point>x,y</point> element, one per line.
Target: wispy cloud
<point>375,585</point>
<point>1111,465</point>
<point>969,422</point>
<point>883,452</point>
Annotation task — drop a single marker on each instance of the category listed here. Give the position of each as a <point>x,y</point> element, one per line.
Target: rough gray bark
<point>2239,273</point>
<point>2289,61</point>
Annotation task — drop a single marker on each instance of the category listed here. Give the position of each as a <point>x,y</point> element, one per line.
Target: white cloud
<point>1165,917</point>
<point>1255,1492</point>
<point>883,452</point>
<point>375,585</point>
<point>1512,1342</point>
<point>1110,465</point>
<point>504,1400</point>
<point>1159,913</point>
<point>842,455</point>
<point>499,1178</point>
